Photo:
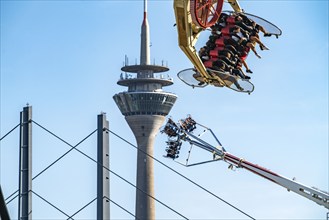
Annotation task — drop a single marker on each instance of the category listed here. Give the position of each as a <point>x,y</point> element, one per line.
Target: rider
<point>256,26</point>
<point>220,65</point>
<point>244,42</point>
<point>204,53</point>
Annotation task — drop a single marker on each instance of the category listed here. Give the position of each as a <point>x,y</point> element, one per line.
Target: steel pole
<point>4,214</point>
<point>103,181</point>
<point>25,174</point>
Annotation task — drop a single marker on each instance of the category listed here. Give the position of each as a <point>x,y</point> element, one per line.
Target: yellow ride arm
<point>188,34</point>
<point>235,5</point>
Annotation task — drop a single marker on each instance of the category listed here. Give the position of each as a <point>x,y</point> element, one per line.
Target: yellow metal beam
<point>188,34</point>
<point>235,5</point>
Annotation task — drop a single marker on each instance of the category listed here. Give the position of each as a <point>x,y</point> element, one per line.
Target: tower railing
<point>126,62</point>
<point>125,76</point>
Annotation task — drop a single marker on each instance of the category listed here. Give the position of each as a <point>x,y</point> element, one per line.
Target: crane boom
<point>183,132</point>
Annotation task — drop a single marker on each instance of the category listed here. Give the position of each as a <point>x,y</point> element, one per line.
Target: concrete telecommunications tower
<point>145,106</point>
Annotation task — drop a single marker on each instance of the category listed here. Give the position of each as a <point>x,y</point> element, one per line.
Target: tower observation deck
<point>145,106</point>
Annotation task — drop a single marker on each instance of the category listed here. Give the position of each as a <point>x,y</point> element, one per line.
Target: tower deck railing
<point>125,76</point>
<point>163,62</point>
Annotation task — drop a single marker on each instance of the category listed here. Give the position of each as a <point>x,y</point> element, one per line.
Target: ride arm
<point>320,197</point>
<point>185,133</point>
<point>235,5</point>
<point>188,34</point>
<point>314,194</point>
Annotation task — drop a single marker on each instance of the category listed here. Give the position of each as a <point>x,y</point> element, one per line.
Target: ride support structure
<point>188,34</point>
<point>193,17</point>
<point>183,131</point>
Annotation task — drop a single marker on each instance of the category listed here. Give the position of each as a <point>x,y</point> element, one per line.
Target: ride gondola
<point>192,18</point>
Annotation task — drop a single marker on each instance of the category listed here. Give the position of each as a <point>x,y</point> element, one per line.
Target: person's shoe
<point>246,77</point>
<point>258,56</point>
<point>248,71</point>
<point>265,48</point>
<point>267,35</point>
<point>200,83</point>
<point>261,47</point>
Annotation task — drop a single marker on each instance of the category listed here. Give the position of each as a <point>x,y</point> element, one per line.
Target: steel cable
<point>71,217</point>
<point>74,148</point>
<point>120,177</point>
<point>59,158</point>
<point>11,196</point>
<point>121,207</point>
<point>188,179</point>
<point>9,132</point>
<point>45,200</point>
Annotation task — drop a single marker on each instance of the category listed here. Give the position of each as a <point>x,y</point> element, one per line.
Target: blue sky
<point>64,59</point>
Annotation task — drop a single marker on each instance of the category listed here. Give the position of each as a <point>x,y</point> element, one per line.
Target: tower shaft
<point>145,128</point>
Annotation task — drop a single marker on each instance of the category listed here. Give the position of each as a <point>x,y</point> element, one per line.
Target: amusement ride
<point>192,18</point>
<point>195,16</point>
<point>186,130</point>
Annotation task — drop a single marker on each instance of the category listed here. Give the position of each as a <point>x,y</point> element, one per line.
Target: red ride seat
<point>213,53</point>
<point>245,53</point>
<point>208,64</point>
<point>220,42</point>
<point>231,19</point>
<point>226,36</point>
<point>226,31</point>
<point>219,48</point>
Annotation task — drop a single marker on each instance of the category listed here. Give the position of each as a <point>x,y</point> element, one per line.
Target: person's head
<point>221,65</point>
<point>236,29</point>
<point>213,27</point>
<point>202,49</point>
<point>222,16</point>
<point>238,18</point>
<point>214,33</point>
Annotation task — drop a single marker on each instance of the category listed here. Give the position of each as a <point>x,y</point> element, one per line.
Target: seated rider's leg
<point>252,47</point>
<point>238,73</point>
<point>235,82</point>
<point>256,39</point>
